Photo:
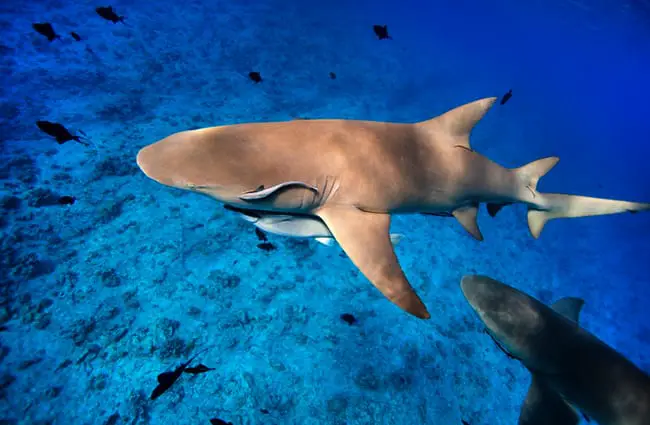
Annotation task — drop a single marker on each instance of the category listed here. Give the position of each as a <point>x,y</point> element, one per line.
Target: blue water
<point>135,277</point>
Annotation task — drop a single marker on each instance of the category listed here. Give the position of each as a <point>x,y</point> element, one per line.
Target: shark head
<point>176,161</point>
<point>514,319</point>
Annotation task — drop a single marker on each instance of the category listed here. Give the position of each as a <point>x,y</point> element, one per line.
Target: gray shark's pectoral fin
<point>466,216</point>
<point>364,238</point>
<point>262,193</point>
<point>544,406</point>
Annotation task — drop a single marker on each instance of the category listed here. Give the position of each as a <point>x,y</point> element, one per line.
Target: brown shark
<point>353,175</point>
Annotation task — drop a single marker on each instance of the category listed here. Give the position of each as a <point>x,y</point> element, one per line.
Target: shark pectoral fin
<point>544,406</point>
<point>262,193</point>
<point>466,216</point>
<point>364,238</point>
<point>569,307</point>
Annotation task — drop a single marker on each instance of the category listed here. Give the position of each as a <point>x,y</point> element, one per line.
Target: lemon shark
<point>572,370</point>
<point>353,175</point>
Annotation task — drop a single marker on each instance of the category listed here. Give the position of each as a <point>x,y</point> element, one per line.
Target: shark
<point>573,372</point>
<point>353,175</point>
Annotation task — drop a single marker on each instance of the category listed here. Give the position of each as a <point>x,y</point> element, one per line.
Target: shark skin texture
<point>353,175</point>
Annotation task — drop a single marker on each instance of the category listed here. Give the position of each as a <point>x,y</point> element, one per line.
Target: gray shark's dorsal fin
<point>544,406</point>
<point>459,122</point>
<point>569,307</point>
<point>466,216</point>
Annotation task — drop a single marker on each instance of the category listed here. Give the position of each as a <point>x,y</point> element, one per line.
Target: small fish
<point>260,235</point>
<point>167,379</point>
<point>109,14</point>
<point>47,30</point>
<point>3,328</point>
<point>348,318</point>
<point>63,365</point>
<point>264,411</point>
<point>59,132</point>
<point>332,76</point>
<point>506,97</point>
<point>201,368</point>
<point>75,36</point>
<point>266,246</point>
<point>217,421</point>
<point>67,200</point>
<point>464,422</point>
<point>381,31</point>
<point>255,76</point>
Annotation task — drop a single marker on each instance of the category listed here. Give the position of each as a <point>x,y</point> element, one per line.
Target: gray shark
<point>353,175</point>
<point>572,370</point>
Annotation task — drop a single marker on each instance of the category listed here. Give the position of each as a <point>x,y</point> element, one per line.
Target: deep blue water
<point>100,296</point>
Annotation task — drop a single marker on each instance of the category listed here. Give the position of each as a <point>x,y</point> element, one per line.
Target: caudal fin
<point>555,205</point>
<point>547,206</point>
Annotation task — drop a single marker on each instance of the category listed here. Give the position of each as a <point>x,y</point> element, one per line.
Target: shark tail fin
<point>555,205</point>
<point>547,206</point>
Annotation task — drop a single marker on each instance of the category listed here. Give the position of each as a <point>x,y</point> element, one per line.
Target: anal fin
<point>467,216</point>
<point>365,239</point>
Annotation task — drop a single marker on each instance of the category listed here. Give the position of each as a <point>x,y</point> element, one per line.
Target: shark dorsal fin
<point>459,122</point>
<point>569,307</point>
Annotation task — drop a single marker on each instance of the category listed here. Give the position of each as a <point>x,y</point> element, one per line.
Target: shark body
<point>572,370</point>
<point>352,175</point>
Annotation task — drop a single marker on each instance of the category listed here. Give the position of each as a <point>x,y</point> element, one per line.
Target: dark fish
<point>382,32</point>
<point>59,132</point>
<point>266,246</point>
<point>46,29</point>
<point>264,411</point>
<point>3,328</point>
<point>167,379</point>
<point>75,36</point>
<point>332,76</point>
<point>201,368</point>
<point>260,235</point>
<point>506,97</point>
<point>112,420</point>
<point>217,421</point>
<point>464,422</point>
<point>67,200</point>
<point>109,14</point>
<point>63,365</point>
<point>255,76</point>
<point>348,318</point>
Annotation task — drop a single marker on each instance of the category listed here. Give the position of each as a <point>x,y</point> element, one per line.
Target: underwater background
<point>100,296</point>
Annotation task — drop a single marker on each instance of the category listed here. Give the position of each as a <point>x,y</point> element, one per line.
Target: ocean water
<point>101,296</point>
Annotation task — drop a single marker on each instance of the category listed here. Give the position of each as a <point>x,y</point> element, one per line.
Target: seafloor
<point>100,296</point>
